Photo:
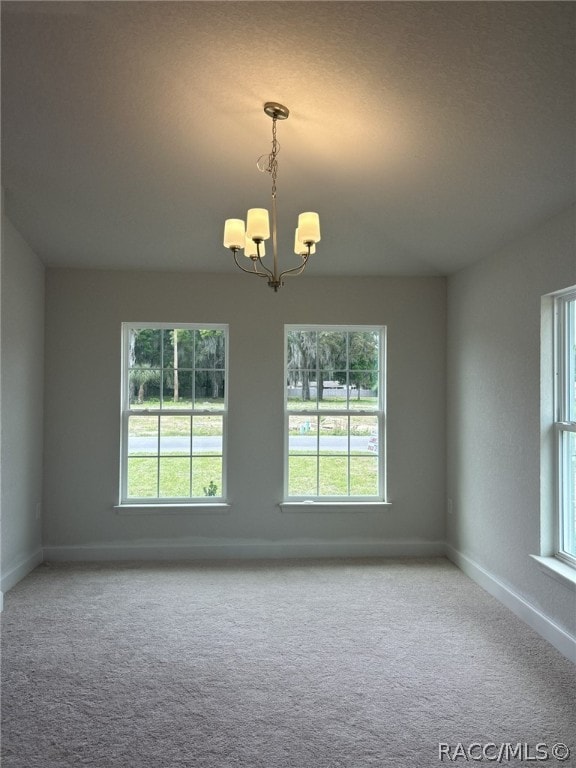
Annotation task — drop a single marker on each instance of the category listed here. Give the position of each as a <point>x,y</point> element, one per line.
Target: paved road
<point>176,444</point>
<point>214,444</point>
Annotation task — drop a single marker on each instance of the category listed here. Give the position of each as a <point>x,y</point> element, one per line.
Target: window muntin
<point>334,413</point>
<point>174,408</point>
<point>566,425</point>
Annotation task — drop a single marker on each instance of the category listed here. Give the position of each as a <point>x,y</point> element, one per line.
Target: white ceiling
<point>426,134</point>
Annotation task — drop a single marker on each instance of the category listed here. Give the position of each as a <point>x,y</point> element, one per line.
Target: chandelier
<point>250,236</point>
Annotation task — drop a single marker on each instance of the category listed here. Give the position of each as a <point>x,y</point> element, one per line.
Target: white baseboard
<point>21,569</point>
<point>246,550</point>
<point>535,619</point>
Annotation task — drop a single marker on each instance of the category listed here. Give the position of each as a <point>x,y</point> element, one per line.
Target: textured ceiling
<point>425,134</point>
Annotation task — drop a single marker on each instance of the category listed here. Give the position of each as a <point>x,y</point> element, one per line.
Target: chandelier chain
<point>273,161</point>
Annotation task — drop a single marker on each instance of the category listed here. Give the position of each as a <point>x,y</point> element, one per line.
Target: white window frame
<point>127,411</point>
<point>565,423</point>
<point>379,412</point>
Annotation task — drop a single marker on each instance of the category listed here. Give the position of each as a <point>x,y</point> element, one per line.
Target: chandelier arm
<point>295,271</point>
<point>254,271</point>
<point>271,275</point>
<point>267,272</point>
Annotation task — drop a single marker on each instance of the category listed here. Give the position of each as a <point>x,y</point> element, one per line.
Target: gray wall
<point>22,374</point>
<point>494,429</point>
<point>84,313</point>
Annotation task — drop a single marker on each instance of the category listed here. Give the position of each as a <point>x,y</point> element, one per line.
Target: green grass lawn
<point>327,475</point>
<point>332,424</point>
<point>333,403</point>
<point>182,477</point>
<point>214,406</point>
<point>177,476</point>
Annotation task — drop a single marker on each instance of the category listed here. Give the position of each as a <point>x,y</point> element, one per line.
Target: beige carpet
<point>324,664</point>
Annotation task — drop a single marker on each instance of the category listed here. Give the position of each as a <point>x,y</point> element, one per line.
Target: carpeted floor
<point>323,664</point>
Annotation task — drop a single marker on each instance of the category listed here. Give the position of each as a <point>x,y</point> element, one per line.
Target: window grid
<point>185,471</point>
<point>322,457</point>
<point>565,427</point>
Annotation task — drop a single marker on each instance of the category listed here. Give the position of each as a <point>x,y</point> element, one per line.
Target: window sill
<point>558,570</point>
<point>336,506</point>
<point>186,509</point>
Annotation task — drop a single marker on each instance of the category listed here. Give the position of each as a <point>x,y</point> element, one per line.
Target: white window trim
<point>135,505</point>
<point>564,376</point>
<point>329,506</point>
<point>184,508</point>
<point>307,503</point>
<point>557,569</point>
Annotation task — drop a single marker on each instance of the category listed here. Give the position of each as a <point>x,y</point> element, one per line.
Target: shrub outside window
<point>174,395</point>
<point>334,413</point>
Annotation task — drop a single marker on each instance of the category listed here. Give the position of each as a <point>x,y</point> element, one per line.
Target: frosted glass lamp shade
<point>234,235</point>
<point>299,248</point>
<point>309,227</point>
<point>250,249</point>
<point>258,224</point>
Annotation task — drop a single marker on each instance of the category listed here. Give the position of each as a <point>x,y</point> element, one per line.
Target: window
<point>334,413</point>
<point>565,428</point>
<point>173,413</point>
